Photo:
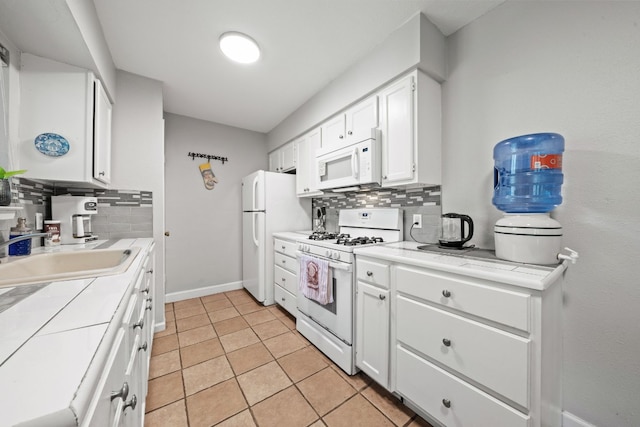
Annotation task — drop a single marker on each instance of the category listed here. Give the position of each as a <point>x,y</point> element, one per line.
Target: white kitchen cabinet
<point>372,319</point>
<point>306,166</point>
<point>470,341</point>
<point>410,125</point>
<point>352,125</point>
<point>70,102</point>
<point>283,159</point>
<point>285,273</point>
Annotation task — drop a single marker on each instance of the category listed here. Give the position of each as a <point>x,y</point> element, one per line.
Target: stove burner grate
<point>347,241</point>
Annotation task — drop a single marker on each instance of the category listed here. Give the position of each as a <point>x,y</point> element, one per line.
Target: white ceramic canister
<point>529,238</point>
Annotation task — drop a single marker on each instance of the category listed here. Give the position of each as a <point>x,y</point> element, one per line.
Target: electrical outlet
<point>417,221</point>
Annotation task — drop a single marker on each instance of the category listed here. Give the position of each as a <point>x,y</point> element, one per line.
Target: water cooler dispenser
<point>527,182</point>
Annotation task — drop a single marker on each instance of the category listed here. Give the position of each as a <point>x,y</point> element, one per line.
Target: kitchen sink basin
<point>56,266</point>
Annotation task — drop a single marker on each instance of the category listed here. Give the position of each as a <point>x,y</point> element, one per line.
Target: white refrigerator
<point>269,205</point>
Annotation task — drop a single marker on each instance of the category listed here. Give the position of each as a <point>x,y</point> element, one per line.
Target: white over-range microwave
<point>348,168</point>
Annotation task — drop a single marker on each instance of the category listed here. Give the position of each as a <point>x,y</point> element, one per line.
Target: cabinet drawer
<point>510,308</point>
<point>286,262</point>
<point>285,278</point>
<point>494,358</point>
<point>285,247</point>
<point>286,300</point>
<point>431,388</point>
<point>373,272</point>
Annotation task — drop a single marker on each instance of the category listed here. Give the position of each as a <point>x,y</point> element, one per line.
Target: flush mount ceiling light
<point>239,47</point>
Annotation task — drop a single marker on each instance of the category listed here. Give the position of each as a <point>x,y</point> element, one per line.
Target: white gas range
<point>330,327</point>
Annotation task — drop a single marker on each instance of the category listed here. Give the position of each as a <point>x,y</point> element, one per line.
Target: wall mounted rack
<point>209,157</point>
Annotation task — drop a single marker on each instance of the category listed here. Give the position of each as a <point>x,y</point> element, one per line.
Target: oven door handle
<point>337,265</point>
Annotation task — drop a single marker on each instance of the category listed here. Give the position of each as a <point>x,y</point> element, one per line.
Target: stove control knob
<point>336,255</point>
<point>300,246</point>
<point>307,248</point>
<point>328,254</point>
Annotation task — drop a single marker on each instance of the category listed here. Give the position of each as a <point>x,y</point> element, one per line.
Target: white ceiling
<point>305,45</point>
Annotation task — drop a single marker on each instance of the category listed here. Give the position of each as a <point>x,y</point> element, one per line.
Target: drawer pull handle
<point>140,324</point>
<point>369,273</point>
<point>446,403</point>
<point>145,291</point>
<point>143,347</point>
<point>122,393</point>
<point>284,261</point>
<point>382,297</point>
<point>283,247</point>
<point>446,293</point>
<point>130,404</point>
<point>446,342</point>
<point>150,271</point>
<point>149,307</point>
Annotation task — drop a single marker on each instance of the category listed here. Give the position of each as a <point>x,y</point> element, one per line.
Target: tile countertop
<point>484,265</point>
<point>49,338</point>
<point>293,235</point>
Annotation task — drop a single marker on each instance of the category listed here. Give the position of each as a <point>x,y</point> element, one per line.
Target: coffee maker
<point>74,213</point>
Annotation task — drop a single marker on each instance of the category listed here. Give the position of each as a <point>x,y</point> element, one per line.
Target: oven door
<point>336,317</point>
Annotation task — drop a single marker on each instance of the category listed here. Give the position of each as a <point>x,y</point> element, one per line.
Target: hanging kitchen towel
<point>315,279</point>
<point>208,176</point>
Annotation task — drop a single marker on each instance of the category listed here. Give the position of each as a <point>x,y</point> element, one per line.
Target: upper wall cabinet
<point>353,125</point>
<point>65,124</point>
<point>283,159</point>
<point>306,176</point>
<point>410,124</point>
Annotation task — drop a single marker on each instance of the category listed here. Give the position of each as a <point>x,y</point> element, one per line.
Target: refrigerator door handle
<point>255,194</point>
<point>253,227</point>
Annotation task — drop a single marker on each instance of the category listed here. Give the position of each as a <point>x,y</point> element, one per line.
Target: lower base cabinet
<point>119,400</point>
<point>285,273</point>
<point>459,348</point>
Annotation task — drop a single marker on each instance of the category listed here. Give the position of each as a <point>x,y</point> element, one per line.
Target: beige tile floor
<point>226,360</point>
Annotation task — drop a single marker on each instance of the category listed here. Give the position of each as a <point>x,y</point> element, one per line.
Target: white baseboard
<point>161,326</point>
<point>201,292</point>
<point>570,420</point>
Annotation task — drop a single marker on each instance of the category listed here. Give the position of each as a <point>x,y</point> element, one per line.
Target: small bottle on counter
<point>52,227</point>
<point>23,247</point>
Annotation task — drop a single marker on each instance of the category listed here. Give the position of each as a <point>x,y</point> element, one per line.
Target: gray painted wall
<point>571,68</point>
<point>205,246</point>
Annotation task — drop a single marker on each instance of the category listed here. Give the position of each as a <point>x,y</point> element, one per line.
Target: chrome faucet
<point>20,239</point>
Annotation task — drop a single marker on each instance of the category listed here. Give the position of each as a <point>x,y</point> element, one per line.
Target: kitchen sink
<point>57,266</point>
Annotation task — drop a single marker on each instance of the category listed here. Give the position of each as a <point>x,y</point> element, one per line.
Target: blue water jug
<point>528,173</point>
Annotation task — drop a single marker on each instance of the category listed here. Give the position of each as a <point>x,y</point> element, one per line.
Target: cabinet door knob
<point>349,133</point>
<point>282,298</point>
<point>446,293</point>
<point>167,233</point>
<point>384,177</point>
<point>284,280</point>
<point>446,403</point>
<point>369,273</point>
<point>149,307</point>
<point>382,297</point>
<point>284,261</point>
<point>130,404</point>
<point>140,324</point>
<point>446,342</point>
<point>143,347</point>
<point>122,393</point>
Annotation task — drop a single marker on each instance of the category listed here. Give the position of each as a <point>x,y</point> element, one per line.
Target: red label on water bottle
<point>546,161</point>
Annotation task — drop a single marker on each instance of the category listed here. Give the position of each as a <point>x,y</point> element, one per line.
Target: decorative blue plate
<point>52,144</point>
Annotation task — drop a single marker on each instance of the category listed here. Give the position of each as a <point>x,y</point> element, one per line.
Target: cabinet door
<point>306,167</point>
<point>333,135</point>
<point>360,119</point>
<point>288,157</point>
<point>275,163</point>
<point>372,332</point>
<point>101,134</point>
<point>398,132</point>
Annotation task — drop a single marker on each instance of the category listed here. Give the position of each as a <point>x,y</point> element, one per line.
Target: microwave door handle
<point>354,163</point>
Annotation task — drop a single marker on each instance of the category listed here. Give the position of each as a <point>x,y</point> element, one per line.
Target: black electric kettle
<point>453,229</point>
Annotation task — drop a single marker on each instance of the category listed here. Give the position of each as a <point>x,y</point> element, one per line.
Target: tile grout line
<point>307,344</point>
